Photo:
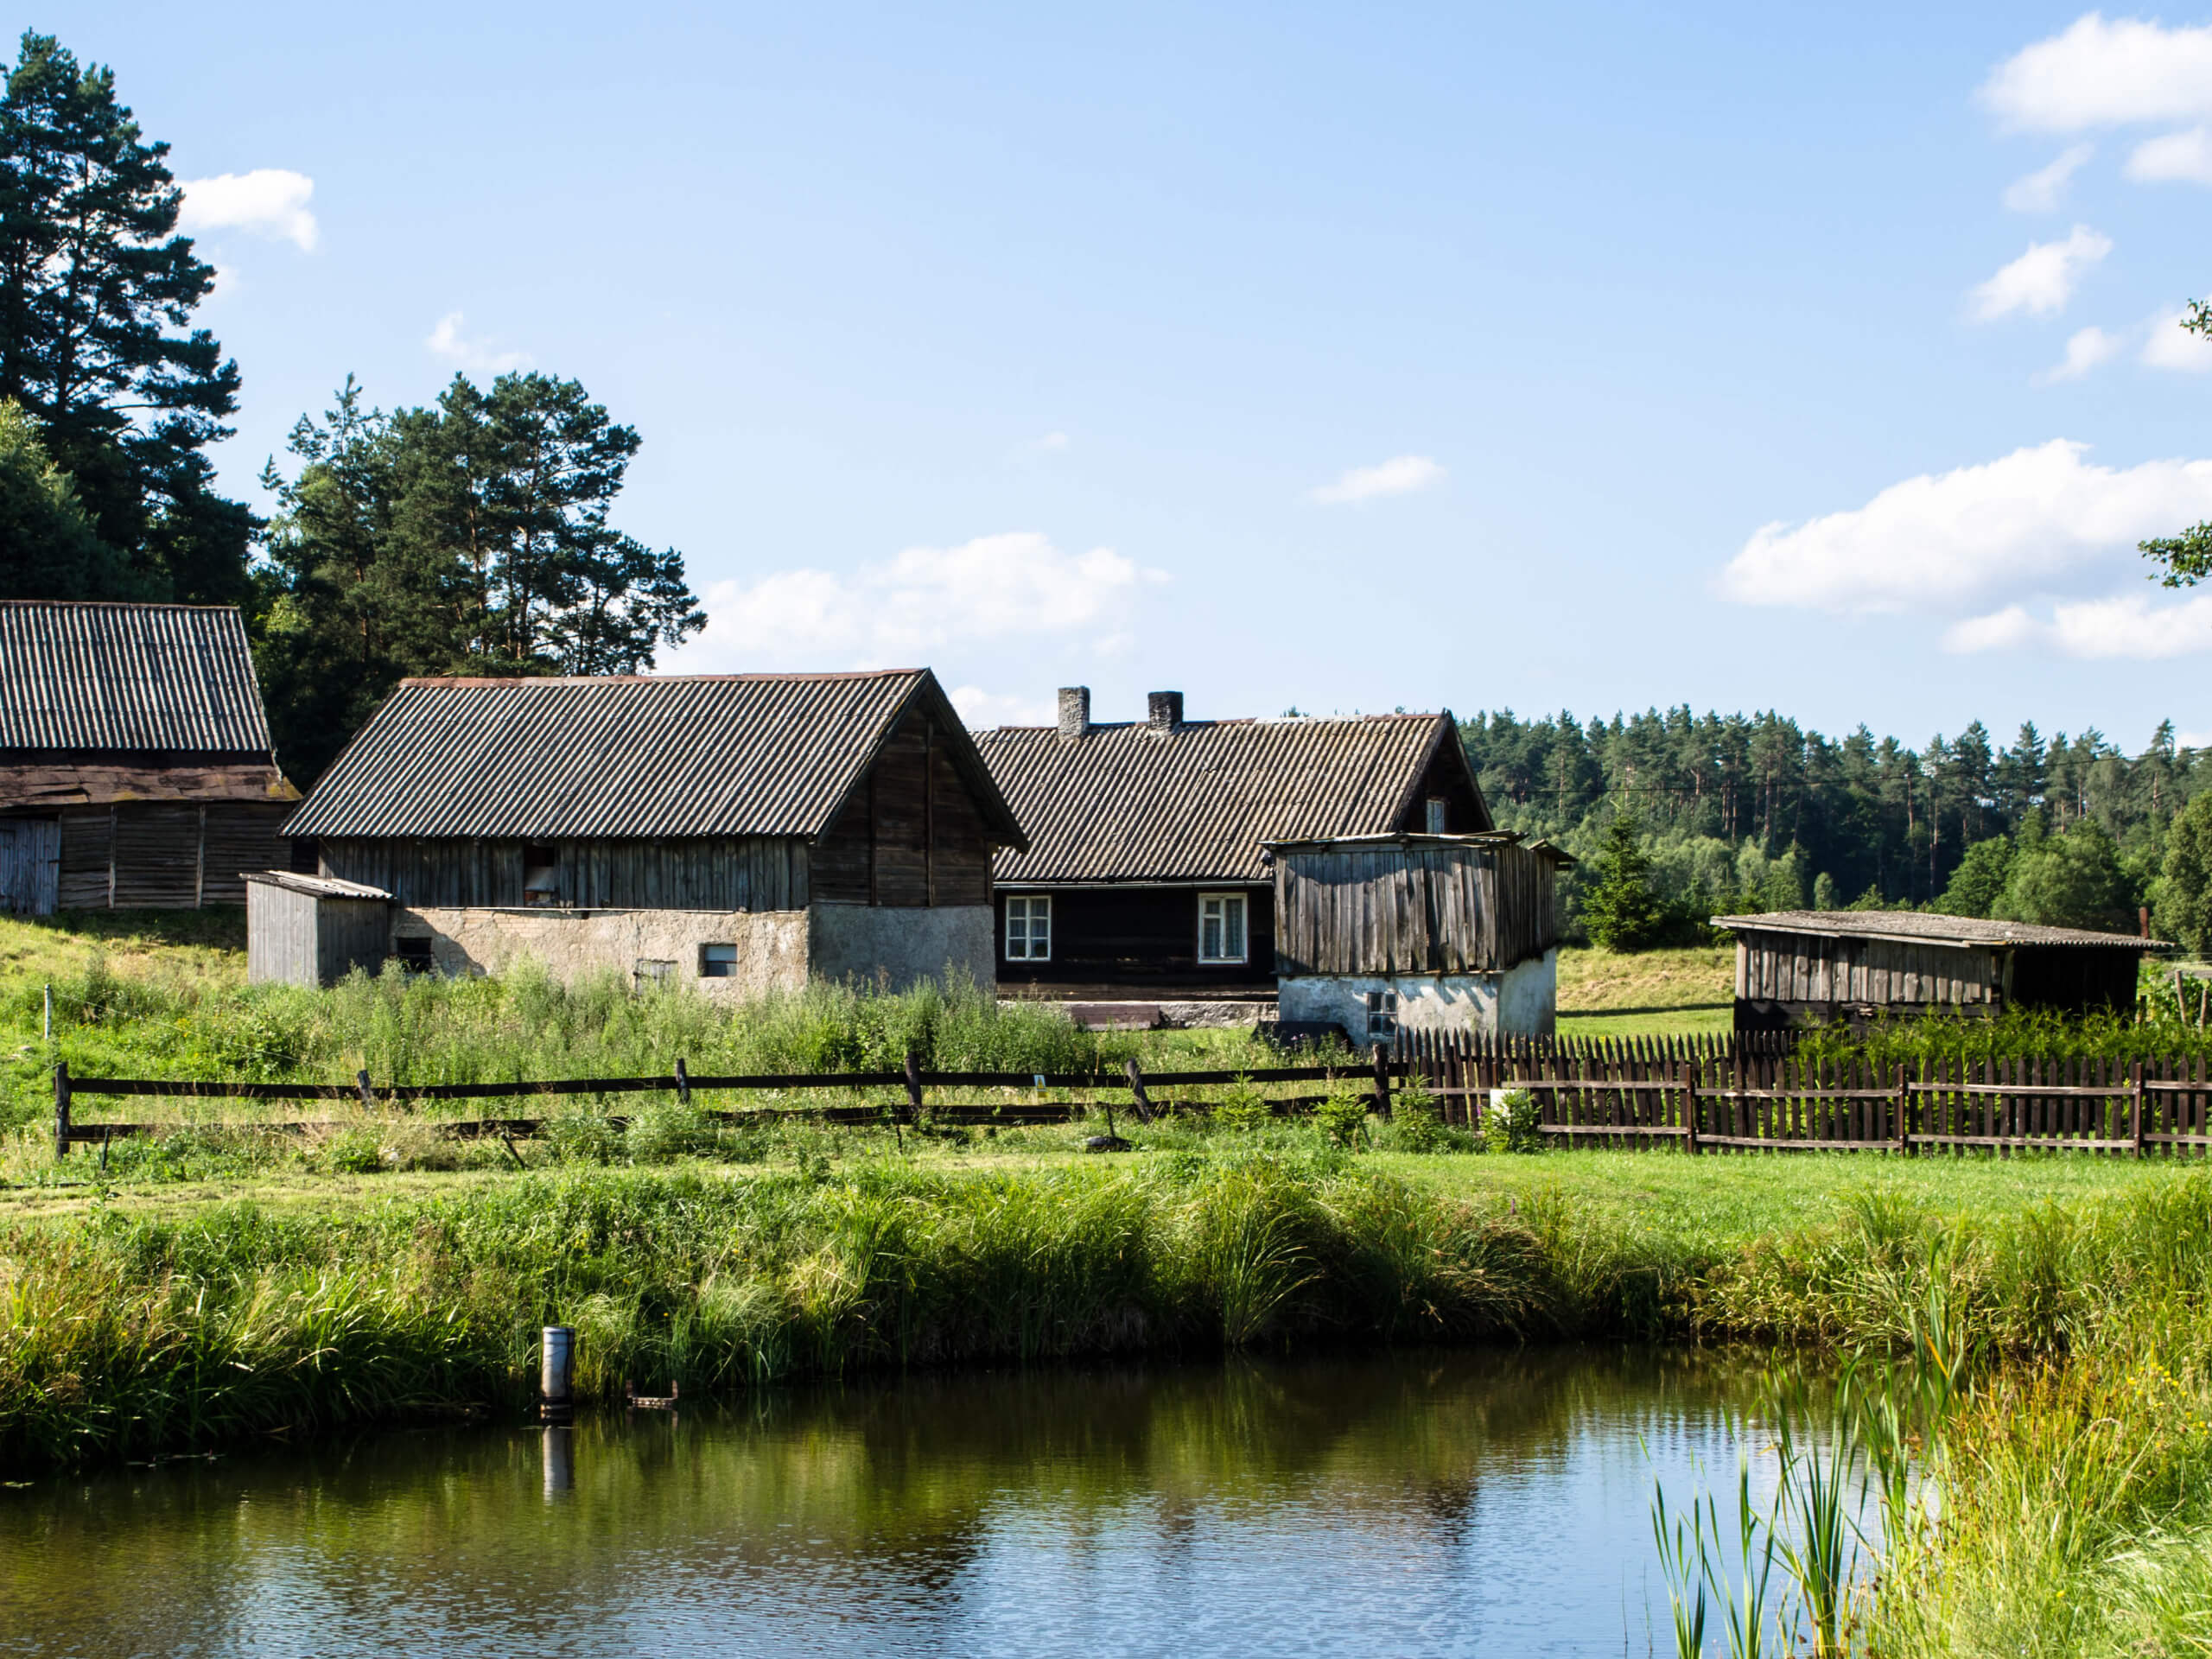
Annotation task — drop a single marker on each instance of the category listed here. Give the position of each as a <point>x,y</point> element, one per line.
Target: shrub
<point>1342,1117</point>
<point>1509,1124</point>
<point>1416,1123</point>
<point>1244,1107</point>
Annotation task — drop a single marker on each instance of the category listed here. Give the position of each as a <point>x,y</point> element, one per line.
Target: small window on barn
<point>413,950</point>
<point>718,962</point>
<point>1221,927</point>
<point>1029,929</point>
<point>653,972</point>
<point>540,875</point>
<point>1438,814</point>
<point>1382,1016</point>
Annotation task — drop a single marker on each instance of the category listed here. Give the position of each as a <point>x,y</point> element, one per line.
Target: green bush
<point>1243,1109</point>
<point>1342,1116</point>
<point>1510,1122</point>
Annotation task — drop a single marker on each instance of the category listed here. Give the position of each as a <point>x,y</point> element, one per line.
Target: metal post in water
<point>557,1397</point>
<point>557,1457</point>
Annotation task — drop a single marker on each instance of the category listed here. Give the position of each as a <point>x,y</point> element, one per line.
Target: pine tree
<point>94,286</point>
<point>1619,907</point>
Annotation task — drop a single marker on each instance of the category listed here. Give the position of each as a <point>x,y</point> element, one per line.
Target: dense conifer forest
<point>1757,813</point>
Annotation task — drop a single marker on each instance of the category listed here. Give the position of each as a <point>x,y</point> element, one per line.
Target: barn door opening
<point>30,865</point>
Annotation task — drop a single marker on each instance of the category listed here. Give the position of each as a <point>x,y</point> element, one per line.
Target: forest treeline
<point>1747,812</point>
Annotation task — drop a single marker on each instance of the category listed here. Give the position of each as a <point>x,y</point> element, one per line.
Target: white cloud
<point>269,201</point>
<point>2097,73</point>
<point>1955,538</point>
<point>1051,440</point>
<point>2042,191</point>
<point>2086,349</point>
<point>1400,476</point>
<point>2043,279</point>
<point>1014,586</point>
<point>979,710</point>
<point>2168,346</point>
<point>2126,625</point>
<point>2182,157</point>
<point>448,341</point>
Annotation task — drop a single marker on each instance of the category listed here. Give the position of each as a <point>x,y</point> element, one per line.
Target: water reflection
<point>1425,1503</point>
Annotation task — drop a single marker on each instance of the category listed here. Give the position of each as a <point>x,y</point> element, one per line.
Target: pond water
<point>1421,1503</point>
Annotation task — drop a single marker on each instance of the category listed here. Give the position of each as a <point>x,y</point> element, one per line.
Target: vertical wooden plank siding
<point>1412,909</point>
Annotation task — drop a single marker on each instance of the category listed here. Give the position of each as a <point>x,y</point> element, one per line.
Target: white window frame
<point>1034,907</point>
<point>1242,901</point>
<point>1382,1016</point>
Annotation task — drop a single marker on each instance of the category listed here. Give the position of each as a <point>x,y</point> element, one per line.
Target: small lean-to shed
<point>1803,967</point>
<point>1379,934</point>
<point>313,929</point>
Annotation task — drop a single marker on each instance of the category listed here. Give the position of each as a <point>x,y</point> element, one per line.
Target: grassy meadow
<point>2035,1325</point>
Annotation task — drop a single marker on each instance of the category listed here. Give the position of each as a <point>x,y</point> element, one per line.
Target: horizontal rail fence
<point>1730,1094</point>
<point>1135,1090</point>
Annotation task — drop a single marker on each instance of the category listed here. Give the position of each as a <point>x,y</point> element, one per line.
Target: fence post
<point>914,1085</point>
<point>368,1094</point>
<point>682,1084</point>
<point>1136,1091</point>
<point>1382,1082</point>
<point>61,1108</point>
<point>1905,1111</point>
<point>1688,1071</point>
<point>2135,1112</point>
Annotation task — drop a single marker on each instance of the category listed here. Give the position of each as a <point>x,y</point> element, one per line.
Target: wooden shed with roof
<point>1147,870</point>
<point>1806,967</point>
<point>135,768</point>
<point>749,830</point>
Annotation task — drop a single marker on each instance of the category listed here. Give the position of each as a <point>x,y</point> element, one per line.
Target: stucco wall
<point>1523,1000</point>
<point>903,943</point>
<point>771,944</point>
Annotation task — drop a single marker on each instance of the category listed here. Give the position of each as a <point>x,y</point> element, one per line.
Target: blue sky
<point>1346,359</point>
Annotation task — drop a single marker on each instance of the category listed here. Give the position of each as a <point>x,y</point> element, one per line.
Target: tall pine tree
<point>96,294</point>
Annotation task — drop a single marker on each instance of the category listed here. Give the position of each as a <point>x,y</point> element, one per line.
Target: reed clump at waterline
<point>130,1336</point>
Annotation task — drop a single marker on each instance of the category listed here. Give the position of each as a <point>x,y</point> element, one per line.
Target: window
<point>1029,929</point>
<point>653,972</point>
<point>1382,1016</point>
<point>718,962</point>
<point>1437,814</point>
<point>1221,927</point>
<point>541,877</point>
<point>413,950</point>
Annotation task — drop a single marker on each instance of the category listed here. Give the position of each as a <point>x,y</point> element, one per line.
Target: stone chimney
<point>1075,712</point>
<point>1163,712</point>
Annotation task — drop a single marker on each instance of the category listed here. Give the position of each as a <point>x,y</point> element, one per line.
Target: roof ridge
<point>111,605</point>
<point>482,680</point>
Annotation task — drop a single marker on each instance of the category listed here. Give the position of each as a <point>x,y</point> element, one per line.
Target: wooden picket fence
<point>1747,1093</point>
<point>1755,1093</point>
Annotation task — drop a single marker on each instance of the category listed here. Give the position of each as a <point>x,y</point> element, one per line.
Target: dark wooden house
<point>1148,870</point>
<point>134,762</point>
<point>753,829</point>
<point>1804,967</point>
<point>1377,935</point>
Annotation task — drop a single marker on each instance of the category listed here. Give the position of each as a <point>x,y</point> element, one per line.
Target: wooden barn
<point>1804,967</point>
<point>1147,874</point>
<point>743,831</point>
<point>1381,934</point>
<point>134,762</point>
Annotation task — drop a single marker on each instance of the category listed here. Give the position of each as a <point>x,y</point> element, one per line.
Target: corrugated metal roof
<point>1126,803</point>
<point>1924,927</point>
<point>315,887</point>
<point>174,678</point>
<point>625,756</point>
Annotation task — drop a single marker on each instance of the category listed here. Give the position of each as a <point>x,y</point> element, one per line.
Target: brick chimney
<point>1075,712</point>
<point>1163,711</point>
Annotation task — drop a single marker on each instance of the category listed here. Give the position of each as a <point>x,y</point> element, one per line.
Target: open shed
<point>1379,934</point>
<point>1804,967</point>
